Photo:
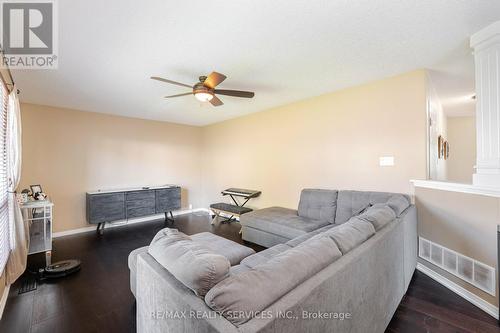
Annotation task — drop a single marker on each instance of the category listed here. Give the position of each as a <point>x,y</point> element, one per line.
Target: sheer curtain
<point>19,230</point>
<point>5,233</point>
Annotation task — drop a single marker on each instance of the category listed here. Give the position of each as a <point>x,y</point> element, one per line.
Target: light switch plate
<point>387,161</point>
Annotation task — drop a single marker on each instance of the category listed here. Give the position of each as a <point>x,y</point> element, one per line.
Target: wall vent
<point>472,271</point>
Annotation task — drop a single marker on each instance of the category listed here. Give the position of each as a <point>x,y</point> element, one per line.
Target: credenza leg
<point>100,228</point>
<point>215,216</point>
<point>169,219</point>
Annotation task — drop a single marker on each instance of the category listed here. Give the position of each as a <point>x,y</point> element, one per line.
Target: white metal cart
<point>38,214</point>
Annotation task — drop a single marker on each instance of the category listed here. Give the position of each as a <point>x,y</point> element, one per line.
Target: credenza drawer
<point>140,211</point>
<point>168,199</point>
<point>108,198</point>
<point>106,207</point>
<point>140,195</point>
<point>147,203</point>
<point>174,192</point>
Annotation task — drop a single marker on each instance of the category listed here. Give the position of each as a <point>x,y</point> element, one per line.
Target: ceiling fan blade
<point>178,95</point>
<point>215,101</point>
<point>235,93</point>
<point>170,81</point>
<point>214,79</point>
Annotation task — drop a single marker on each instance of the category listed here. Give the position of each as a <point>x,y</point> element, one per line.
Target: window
<point>4,207</point>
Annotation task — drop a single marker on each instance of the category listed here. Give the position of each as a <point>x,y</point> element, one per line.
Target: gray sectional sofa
<point>340,263</point>
<point>317,209</point>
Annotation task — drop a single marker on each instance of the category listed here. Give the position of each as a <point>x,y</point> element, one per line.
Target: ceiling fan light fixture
<point>205,91</point>
<point>203,96</point>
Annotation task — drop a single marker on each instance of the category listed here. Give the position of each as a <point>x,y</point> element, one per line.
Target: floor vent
<point>28,284</point>
<point>472,271</point>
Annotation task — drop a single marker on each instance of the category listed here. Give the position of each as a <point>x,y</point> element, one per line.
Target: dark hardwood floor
<point>98,298</point>
<point>430,307</point>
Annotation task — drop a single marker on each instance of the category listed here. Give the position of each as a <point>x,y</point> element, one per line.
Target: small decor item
<point>22,197</point>
<point>37,192</point>
<point>40,196</point>
<point>446,148</point>
<point>25,196</point>
<point>36,189</point>
<point>440,146</point>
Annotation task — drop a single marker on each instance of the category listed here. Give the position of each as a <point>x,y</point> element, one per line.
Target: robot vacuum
<point>61,268</point>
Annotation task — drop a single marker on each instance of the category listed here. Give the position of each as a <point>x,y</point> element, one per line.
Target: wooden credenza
<point>116,205</point>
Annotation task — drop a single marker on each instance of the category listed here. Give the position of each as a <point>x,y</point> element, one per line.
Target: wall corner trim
<point>460,291</point>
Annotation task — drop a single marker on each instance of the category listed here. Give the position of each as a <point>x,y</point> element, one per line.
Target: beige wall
<point>465,223</point>
<point>70,152</point>
<point>330,141</point>
<point>437,166</point>
<point>462,139</point>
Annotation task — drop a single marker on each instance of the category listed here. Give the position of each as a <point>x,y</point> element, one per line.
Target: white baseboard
<point>460,291</point>
<point>206,210</point>
<point>123,223</point>
<point>3,300</point>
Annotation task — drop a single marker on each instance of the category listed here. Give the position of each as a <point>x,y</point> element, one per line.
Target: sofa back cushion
<point>242,296</point>
<point>317,204</point>
<point>302,238</point>
<point>352,203</point>
<point>193,264</point>
<point>351,234</point>
<point>265,255</point>
<point>378,215</point>
<point>168,236</point>
<point>398,203</point>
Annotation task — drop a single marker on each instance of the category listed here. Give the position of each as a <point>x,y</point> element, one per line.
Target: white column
<point>486,45</point>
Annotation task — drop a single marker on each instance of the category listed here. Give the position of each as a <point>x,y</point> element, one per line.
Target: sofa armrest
<point>410,221</point>
<point>166,305</point>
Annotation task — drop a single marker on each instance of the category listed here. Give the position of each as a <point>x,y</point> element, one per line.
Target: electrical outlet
<point>386,161</point>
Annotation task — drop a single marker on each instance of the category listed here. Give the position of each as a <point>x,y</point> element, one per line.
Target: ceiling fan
<point>205,91</point>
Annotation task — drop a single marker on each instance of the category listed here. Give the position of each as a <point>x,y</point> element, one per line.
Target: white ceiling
<point>283,50</point>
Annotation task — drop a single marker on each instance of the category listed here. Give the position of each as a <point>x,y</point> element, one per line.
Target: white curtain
<point>19,230</point>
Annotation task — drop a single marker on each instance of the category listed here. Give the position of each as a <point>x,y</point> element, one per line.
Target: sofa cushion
<point>264,256</point>
<point>168,236</point>
<point>233,251</point>
<point>242,296</point>
<point>238,269</point>
<point>350,234</point>
<point>298,240</point>
<point>352,203</point>
<point>317,204</point>
<point>193,264</point>
<point>398,203</point>
<point>280,221</point>
<point>378,215</point>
